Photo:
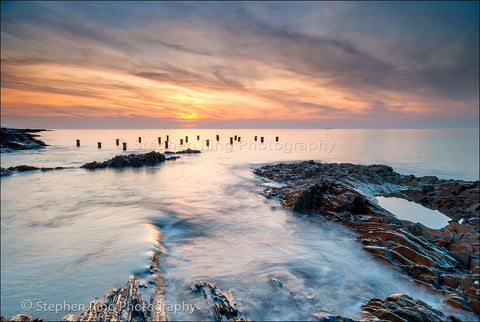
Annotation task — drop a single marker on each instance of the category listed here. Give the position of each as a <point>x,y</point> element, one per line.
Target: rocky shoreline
<point>19,139</point>
<point>120,161</point>
<point>443,260</point>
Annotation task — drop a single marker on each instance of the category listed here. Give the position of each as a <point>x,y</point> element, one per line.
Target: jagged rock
<point>5,172</point>
<point>123,303</point>
<point>224,309</point>
<point>331,318</point>
<point>435,258</point>
<point>22,318</point>
<point>19,139</point>
<point>158,297</point>
<point>402,308</point>
<point>187,151</point>
<point>70,318</point>
<point>131,160</point>
<point>276,282</point>
<point>455,198</point>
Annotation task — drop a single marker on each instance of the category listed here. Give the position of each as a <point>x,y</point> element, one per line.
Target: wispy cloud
<point>241,60</point>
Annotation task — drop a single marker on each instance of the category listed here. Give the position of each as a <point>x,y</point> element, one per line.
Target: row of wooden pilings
<point>232,138</point>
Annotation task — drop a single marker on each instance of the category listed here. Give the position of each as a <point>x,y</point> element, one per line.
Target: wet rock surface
<point>122,304</point>
<point>126,303</point>
<point>443,260</point>
<point>25,168</point>
<point>21,318</point>
<point>187,151</point>
<point>19,139</point>
<point>131,160</point>
<point>455,198</point>
<point>224,308</point>
<point>403,308</point>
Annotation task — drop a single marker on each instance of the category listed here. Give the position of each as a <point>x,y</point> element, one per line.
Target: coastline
<point>443,260</point>
<point>350,189</point>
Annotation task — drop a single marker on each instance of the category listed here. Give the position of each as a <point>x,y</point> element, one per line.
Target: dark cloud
<point>426,51</point>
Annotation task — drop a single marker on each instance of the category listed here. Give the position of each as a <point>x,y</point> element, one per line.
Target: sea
<point>70,236</point>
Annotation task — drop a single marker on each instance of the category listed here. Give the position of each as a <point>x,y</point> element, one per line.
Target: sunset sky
<point>240,64</point>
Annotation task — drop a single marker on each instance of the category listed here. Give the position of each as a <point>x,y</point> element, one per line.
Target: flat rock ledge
<point>187,151</point>
<point>19,139</point>
<point>443,260</point>
<point>24,168</point>
<point>131,160</point>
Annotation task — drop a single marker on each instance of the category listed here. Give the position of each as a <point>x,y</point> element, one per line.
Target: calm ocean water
<point>70,236</point>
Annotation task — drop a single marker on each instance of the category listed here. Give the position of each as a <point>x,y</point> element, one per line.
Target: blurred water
<point>73,235</point>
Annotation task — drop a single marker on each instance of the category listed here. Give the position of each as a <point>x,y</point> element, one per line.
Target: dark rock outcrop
<point>5,172</point>
<point>455,198</point>
<point>224,309</point>
<point>187,151</point>
<point>131,160</point>
<point>438,259</point>
<point>403,308</point>
<point>21,318</point>
<point>25,168</point>
<point>122,304</point>
<point>19,139</point>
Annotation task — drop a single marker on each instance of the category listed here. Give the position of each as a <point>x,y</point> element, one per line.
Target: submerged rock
<point>19,139</point>
<point>5,172</point>
<point>437,259</point>
<point>224,309</point>
<point>131,160</point>
<point>25,168</point>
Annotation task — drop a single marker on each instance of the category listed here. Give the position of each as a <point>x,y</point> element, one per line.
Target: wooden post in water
<point>238,139</point>
<point>124,146</point>
<point>139,139</point>
<point>159,140</point>
<point>218,137</point>
<point>181,141</point>
<point>117,141</point>
<point>261,139</point>
<point>255,138</point>
<point>186,139</point>
<point>276,139</point>
<point>235,138</point>
<point>208,142</point>
<point>198,137</point>
<point>166,144</point>
<point>78,142</point>
<point>167,138</point>
<point>231,140</point>
<point>99,144</point>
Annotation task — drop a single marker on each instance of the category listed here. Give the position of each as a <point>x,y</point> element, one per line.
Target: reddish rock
<point>457,302</point>
<point>413,256</point>
<point>432,258</point>
<point>450,280</point>
<point>460,246</point>
<point>474,305</point>
<point>459,228</point>
<point>474,262</point>
<point>462,257</point>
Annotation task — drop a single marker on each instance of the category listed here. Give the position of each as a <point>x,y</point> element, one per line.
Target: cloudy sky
<point>240,64</point>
